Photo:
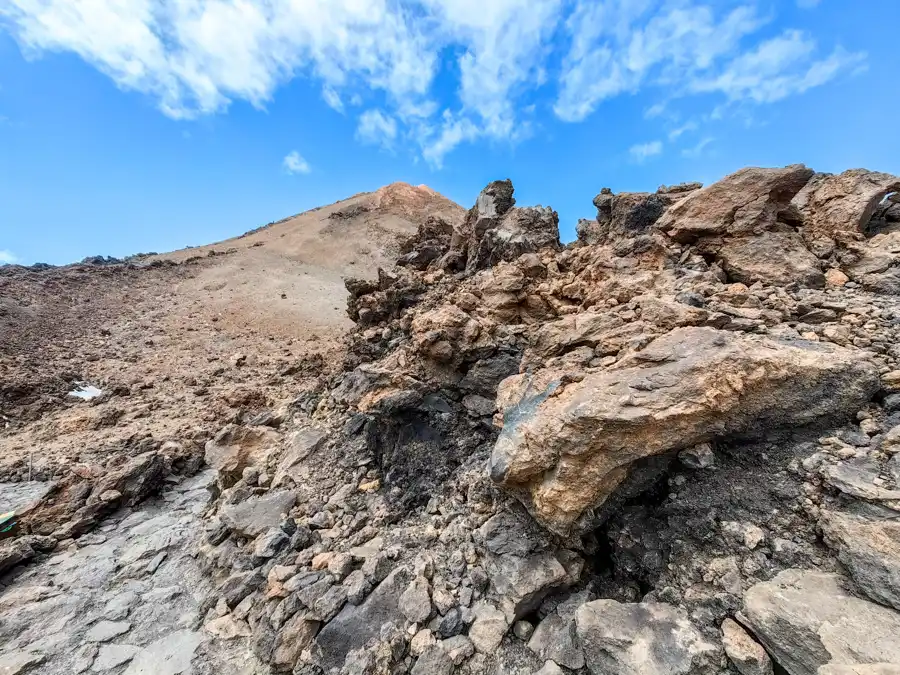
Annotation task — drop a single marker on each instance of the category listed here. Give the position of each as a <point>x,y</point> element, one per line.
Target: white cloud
<point>294,163</point>
<point>194,57</point>
<point>777,68</point>
<point>622,46</point>
<point>7,258</point>
<point>697,150</point>
<point>643,151</point>
<point>376,128</point>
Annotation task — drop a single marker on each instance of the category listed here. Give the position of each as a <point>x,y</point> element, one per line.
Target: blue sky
<point>138,125</point>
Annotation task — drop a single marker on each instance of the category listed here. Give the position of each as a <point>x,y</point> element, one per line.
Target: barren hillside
<point>669,448</point>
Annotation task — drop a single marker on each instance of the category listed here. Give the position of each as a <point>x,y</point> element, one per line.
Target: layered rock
<point>567,445</point>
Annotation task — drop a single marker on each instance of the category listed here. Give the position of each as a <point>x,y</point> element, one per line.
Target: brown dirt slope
<point>162,336</point>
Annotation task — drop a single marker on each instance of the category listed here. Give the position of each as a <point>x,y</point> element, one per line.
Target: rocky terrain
<point>672,446</point>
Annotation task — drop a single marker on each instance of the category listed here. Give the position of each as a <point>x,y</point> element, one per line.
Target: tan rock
<point>838,208</point>
<point>235,448</point>
<point>742,203</point>
<point>777,258</point>
<point>296,635</point>
<point>745,653</point>
<point>690,386</point>
<point>834,277</point>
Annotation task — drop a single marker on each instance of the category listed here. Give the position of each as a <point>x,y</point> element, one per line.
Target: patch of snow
<point>86,392</point>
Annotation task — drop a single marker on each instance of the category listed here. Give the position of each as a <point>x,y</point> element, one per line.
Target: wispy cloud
<point>688,48</point>
<point>697,150</point>
<point>643,151</point>
<point>333,99</point>
<point>7,257</point>
<point>195,57</point>
<point>677,132</point>
<point>294,163</point>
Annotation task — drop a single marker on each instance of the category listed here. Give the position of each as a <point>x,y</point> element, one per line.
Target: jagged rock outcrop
<point>568,444</point>
<point>495,230</point>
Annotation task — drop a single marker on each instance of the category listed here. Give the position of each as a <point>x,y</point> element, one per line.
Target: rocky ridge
<point>670,447</point>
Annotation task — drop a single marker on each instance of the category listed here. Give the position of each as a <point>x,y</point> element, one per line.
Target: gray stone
<point>113,656</point>
<point>458,648</point>
<point>238,586</point>
<point>698,457</point>
<point>647,638</point>
<point>856,477</point>
<point>170,655</point>
<point>14,552</point>
<point>415,602</point>
<point>119,606</point>
<point>354,626</point>
<point>488,629</point>
<point>523,630</point>
<point>433,661</point>
<point>549,668</point>
<point>256,515</point>
<point>807,620</point>
<point>326,606</point>
<point>269,544</point>
<point>14,663</point>
<point>745,653</point>
<point>555,639</point>
<point>104,631</point>
<point>870,550</point>
<point>451,623</point>
<point>523,582</point>
<point>358,587</point>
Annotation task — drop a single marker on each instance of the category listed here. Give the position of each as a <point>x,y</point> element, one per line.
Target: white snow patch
<point>86,392</point>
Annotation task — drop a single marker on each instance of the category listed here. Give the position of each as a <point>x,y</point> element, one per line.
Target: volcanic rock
<point>693,385</point>
<point>807,620</point>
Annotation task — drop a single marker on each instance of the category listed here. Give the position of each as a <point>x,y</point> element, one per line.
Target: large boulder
<point>808,620</point>
<point>837,209</point>
<point>135,480</point>
<point>645,638</point>
<point>569,442</point>
<point>628,214</point>
<point>776,257</point>
<point>870,550</point>
<point>745,202</point>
